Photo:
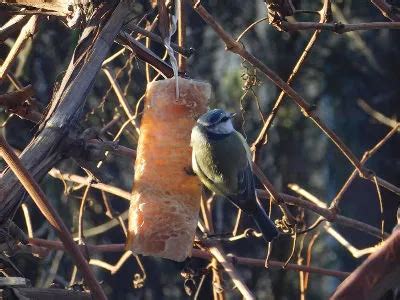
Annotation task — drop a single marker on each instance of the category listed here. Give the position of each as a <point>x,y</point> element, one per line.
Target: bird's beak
<point>231,115</point>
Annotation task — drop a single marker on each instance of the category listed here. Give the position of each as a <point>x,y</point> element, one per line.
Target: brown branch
<point>67,104</point>
<point>120,96</point>
<point>387,10</point>
<point>11,26</point>
<point>16,292</point>
<point>15,99</point>
<point>180,49</point>
<point>26,32</point>
<point>51,215</point>
<point>307,109</point>
<point>326,213</point>
<point>181,13</point>
<point>18,103</point>
<point>146,55</point>
<point>263,135</point>
<point>229,268</point>
<point>357,253</point>
<point>381,118</point>
<point>276,198</point>
<point>378,274</point>
<point>335,202</point>
<point>279,10</point>
<point>61,7</point>
<point>339,28</point>
<point>84,180</point>
<point>252,262</point>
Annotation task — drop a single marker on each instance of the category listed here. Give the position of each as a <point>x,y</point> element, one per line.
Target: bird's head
<point>217,121</point>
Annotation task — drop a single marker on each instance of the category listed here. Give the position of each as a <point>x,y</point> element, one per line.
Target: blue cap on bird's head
<point>214,116</point>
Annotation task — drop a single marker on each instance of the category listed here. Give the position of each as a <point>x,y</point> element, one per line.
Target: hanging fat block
<point>166,196</point>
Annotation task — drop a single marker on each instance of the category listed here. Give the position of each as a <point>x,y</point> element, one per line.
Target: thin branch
<point>338,27</point>
<point>252,262</point>
<point>387,10</point>
<point>67,104</point>
<point>335,202</point>
<point>221,257</point>
<point>51,215</point>
<point>112,268</point>
<point>262,137</point>
<point>377,115</point>
<point>357,253</point>
<point>180,49</point>
<point>289,219</point>
<point>146,54</point>
<point>26,32</point>
<point>181,14</point>
<point>11,26</point>
<point>19,103</point>
<point>326,213</point>
<point>27,217</point>
<point>121,98</point>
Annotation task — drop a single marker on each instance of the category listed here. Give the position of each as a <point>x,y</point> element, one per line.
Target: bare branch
<point>51,215</point>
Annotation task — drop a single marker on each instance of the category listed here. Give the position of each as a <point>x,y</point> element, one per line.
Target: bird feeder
<point>165,201</point>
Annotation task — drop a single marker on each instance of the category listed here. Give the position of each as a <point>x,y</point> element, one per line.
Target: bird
<point>221,158</point>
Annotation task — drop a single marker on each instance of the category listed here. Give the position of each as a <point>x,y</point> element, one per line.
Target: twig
<point>219,254</point>
<point>377,115</point>
<point>120,96</point>
<point>338,27</point>
<point>146,55</point>
<point>12,25</point>
<point>250,27</point>
<point>263,135</point>
<point>56,245</point>
<point>81,212</point>
<point>357,253</point>
<point>18,102</point>
<point>329,215</point>
<point>178,48</point>
<point>51,215</point>
<point>289,219</point>
<point>68,101</point>
<point>26,32</point>
<point>386,10</point>
<point>112,268</point>
<point>181,14</point>
<point>380,201</point>
<point>27,217</point>
<point>309,255</point>
<point>335,202</point>
<point>205,208</point>
<point>326,213</point>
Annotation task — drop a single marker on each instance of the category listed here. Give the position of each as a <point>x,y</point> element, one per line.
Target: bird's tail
<point>264,223</point>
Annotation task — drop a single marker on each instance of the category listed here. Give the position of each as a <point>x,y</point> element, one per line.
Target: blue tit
<point>221,159</point>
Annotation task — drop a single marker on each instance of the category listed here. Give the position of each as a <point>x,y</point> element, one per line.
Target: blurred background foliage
<point>340,70</point>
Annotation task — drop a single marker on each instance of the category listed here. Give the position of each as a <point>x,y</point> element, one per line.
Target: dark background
<point>340,70</point>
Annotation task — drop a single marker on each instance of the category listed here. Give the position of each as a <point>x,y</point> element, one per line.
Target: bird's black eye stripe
<point>224,119</point>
